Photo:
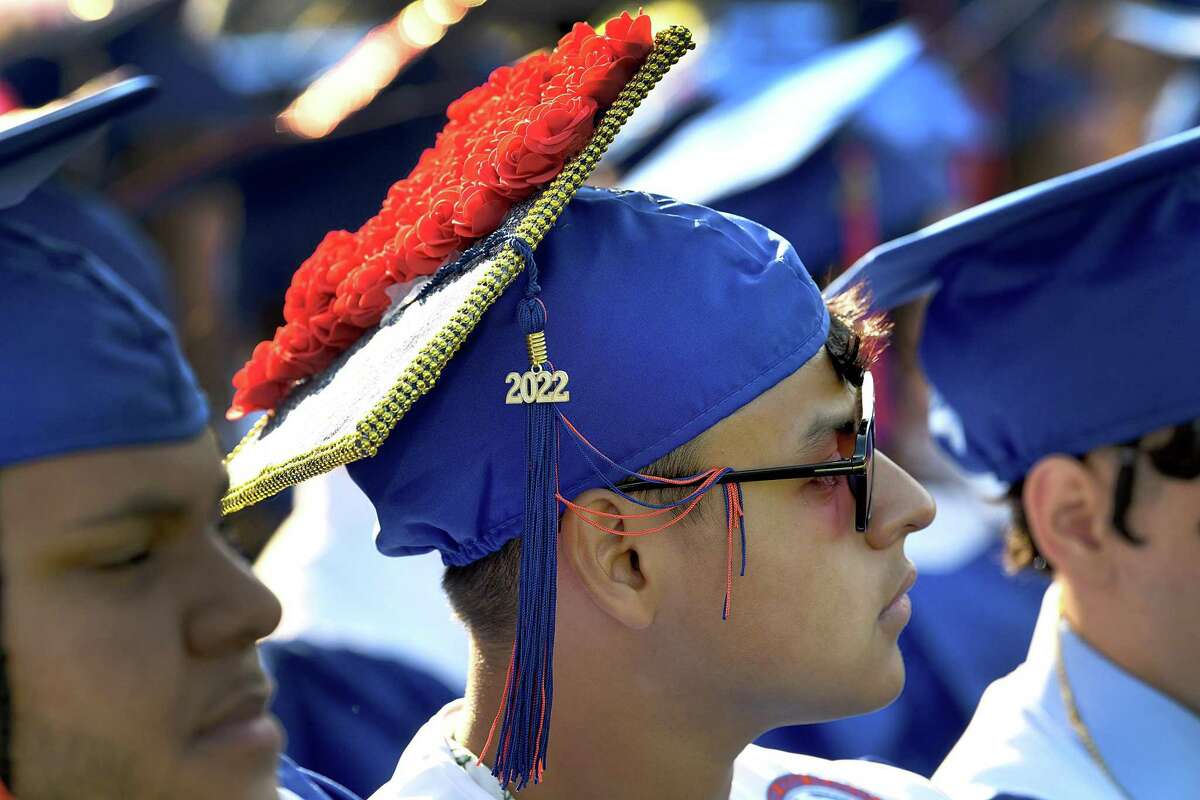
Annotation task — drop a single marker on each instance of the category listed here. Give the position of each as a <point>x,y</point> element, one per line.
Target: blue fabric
<point>1077,288</point>
<point>309,785</point>
<point>805,204</point>
<point>86,221</point>
<point>668,317</point>
<point>88,363</point>
<point>754,44</point>
<point>349,714</point>
<point>879,146</point>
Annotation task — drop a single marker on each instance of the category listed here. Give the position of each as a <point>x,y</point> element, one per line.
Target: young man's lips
<point>243,723</point>
<point>910,578</point>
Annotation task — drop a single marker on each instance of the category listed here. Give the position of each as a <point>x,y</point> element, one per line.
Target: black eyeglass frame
<point>858,468</point>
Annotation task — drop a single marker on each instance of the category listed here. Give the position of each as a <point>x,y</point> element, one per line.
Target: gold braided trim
<point>423,372</point>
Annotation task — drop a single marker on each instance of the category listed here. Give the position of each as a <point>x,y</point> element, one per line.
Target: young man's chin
<point>887,681</point>
<point>233,782</point>
<point>238,762</point>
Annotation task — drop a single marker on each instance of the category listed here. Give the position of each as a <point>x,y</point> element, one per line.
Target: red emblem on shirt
<point>795,787</point>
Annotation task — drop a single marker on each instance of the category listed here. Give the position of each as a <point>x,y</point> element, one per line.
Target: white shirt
<point>429,770</point>
<point>1020,741</point>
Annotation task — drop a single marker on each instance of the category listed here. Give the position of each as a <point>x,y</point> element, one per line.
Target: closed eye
<point>131,558</point>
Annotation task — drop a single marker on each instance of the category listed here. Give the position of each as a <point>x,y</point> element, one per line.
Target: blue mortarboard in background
<point>1171,27</point>
<point>1063,315</point>
<point>749,45</point>
<point>777,155</point>
<point>88,362</point>
<point>36,143</point>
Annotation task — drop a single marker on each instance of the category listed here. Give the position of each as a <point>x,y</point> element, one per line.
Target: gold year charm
<point>537,386</point>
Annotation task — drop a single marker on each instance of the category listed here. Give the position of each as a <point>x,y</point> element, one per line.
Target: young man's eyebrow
<point>138,505</point>
<point>825,423</point>
<point>151,502</point>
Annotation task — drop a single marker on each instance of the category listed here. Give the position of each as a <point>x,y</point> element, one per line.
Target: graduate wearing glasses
<point>639,438</point>
<point>1060,337</point>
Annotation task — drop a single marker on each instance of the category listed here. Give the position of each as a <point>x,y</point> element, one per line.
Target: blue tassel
<point>529,696</point>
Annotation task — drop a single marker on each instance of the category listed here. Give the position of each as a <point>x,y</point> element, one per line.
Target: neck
<point>631,746</point>
<point>1122,636</point>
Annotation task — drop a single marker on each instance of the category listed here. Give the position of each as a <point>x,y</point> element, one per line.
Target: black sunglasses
<point>859,468</point>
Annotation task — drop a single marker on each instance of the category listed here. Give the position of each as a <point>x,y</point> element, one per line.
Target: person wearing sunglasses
<point>1060,339</point>
<point>641,442</point>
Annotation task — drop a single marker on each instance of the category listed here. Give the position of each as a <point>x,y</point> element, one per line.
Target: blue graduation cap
<point>88,363</point>
<point>846,135</point>
<point>1063,315</point>
<point>1171,27</point>
<point>764,136</point>
<point>34,146</point>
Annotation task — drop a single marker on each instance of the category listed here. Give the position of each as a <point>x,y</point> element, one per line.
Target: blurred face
<point>814,622</point>
<point>130,631</point>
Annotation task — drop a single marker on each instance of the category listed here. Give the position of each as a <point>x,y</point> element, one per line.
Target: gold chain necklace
<point>1077,724</point>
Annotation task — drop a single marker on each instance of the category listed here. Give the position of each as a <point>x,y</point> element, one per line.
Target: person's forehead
<point>59,492</point>
<point>815,393</point>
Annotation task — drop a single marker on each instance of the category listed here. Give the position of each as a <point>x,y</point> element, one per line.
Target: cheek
<point>89,665</point>
<point>1165,576</point>
<point>809,582</point>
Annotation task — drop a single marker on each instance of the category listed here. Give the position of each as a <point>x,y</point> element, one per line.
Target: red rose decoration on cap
<point>502,141</point>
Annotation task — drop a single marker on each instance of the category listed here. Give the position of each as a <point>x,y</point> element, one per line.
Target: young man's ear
<point>1065,508</point>
<point>612,568</point>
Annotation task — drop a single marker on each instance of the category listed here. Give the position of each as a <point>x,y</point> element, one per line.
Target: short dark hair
<point>484,593</point>
<point>1020,550</point>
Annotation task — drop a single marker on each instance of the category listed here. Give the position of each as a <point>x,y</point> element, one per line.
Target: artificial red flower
<point>253,390</point>
<point>629,37</point>
<point>479,211</point>
<point>479,170</point>
<point>502,141</point>
<point>569,46</point>
<point>332,331</point>
<point>604,73</point>
<point>461,109</point>
<point>297,353</point>
<point>363,297</point>
<point>429,241</point>
<point>560,126</point>
<point>521,168</point>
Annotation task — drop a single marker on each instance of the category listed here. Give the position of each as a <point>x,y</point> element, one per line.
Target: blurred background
<point>840,124</point>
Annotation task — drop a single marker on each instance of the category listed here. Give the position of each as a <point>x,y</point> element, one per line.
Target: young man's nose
<point>236,609</point>
<point>900,505</point>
